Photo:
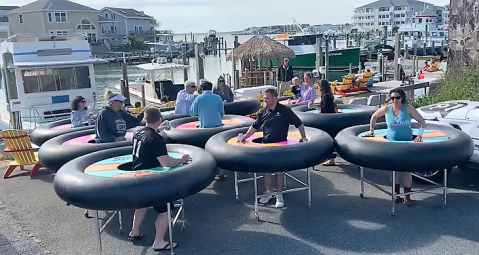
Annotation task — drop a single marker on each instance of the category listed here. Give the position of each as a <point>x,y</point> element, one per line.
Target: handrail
<point>107,44</point>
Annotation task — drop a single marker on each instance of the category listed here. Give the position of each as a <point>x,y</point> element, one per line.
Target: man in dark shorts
<point>275,119</point>
<point>149,151</point>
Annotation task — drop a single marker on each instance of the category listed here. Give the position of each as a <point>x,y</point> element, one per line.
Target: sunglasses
<point>83,101</point>
<point>395,98</point>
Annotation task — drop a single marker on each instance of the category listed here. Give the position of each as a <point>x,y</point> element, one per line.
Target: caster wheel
<point>392,214</point>
<point>121,232</point>
<point>237,198</point>
<point>361,195</point>
<point>309,206</point>
<point>183,228</point>
<point>257,217</point>
<point>68,204</point>
<point>444,205</point>
<point>87,215</point>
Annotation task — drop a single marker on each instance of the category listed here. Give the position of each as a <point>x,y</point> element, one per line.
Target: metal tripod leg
<point>98,231</point>
<point>392,192</point>
<point>256,214</point>
<point>170,228</point>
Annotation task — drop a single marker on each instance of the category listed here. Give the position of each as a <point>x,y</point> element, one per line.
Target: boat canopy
<point>159,72</point>
<point>157,66</point>
<point>53,64</point>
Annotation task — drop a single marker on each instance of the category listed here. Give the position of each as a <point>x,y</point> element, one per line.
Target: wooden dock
<point>381,89</point>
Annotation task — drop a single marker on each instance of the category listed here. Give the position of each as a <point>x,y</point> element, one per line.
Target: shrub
<point>460,83</point>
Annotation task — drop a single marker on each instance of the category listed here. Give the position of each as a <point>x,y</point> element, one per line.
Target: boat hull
<point>339,61</point>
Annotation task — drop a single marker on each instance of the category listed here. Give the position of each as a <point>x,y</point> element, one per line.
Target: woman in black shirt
<point>327,105</point>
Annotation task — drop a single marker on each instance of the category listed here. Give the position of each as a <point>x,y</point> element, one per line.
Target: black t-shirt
<point>148,145</point>
<point>296,90</point>
<point>327,104</point>
<point>276,123</point>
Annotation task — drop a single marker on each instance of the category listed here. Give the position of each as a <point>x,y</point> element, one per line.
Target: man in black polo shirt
<point>149,151</point>
<point>275,119</point>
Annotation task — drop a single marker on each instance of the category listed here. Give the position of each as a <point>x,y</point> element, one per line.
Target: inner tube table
<point>381,154</point>
<point>250,156</point>
<point>105,182</point>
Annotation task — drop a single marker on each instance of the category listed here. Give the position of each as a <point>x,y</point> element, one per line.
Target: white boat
<point>162,75</point>
<point>44,73</point>
<point>422,29</point>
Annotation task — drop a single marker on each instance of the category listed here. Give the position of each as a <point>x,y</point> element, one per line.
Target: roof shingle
<point>53,5</point>
<point>129,13</point>
<point>387,3</point>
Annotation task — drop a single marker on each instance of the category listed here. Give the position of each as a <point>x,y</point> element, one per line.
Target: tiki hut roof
<point>261,47</point>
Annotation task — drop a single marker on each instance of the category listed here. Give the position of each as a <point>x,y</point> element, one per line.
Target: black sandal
<point>166,247</point>
<point>220,177</point>
<point>133,238</point>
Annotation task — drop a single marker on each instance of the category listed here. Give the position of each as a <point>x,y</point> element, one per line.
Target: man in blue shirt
<point>185,98</point>
<point>208,107</point>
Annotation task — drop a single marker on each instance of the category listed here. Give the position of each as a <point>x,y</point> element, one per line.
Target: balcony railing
<point>141,33</point>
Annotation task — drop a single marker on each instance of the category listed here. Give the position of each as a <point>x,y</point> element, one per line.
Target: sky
<point>198,16</point>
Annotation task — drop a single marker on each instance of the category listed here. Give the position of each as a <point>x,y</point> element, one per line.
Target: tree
<point>155,23</point>
<point>463,33</point>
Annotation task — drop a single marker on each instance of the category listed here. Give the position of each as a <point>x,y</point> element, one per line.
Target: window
<point>59,32</point>
<point>1,78</point>
<point>56,79</point>
<point>106,15</point>
<point>85,25</point>
<point>138,28</point>
<point>20,17</point>
<point>58,17</point>
<point>113,16</point>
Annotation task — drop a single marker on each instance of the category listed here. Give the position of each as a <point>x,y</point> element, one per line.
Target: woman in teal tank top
<point>398,119</point>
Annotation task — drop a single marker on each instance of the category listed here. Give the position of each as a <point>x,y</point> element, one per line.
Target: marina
<point>222,179</point>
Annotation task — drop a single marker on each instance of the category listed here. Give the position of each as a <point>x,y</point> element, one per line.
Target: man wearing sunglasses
<point>185,98</point>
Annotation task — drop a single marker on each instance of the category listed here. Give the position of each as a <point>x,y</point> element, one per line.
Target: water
<point>108,76</point>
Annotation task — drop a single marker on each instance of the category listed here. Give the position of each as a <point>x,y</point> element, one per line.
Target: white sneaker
<point>267,196</point>
<point>279,201</point>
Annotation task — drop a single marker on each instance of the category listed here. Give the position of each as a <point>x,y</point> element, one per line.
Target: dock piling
<point>397,52</point>
<point>185,62</point>
<point>125,89</point>
<point>326,59</point>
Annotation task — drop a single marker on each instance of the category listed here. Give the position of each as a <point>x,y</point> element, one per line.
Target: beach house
<point>58,17</point>
<point>127,22</point>
<point>4,28</point>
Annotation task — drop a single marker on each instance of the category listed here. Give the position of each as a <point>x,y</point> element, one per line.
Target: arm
<point>294,120</point>
<point>232,96</point>
<point>256,125</point>
<point>76,119</point>
<point>168,161</point>
<point>101,129</point>
<point>183,95</point>
<point>132,121</point>
<point>250,132</point>
<point>221,108</point>
<point>312,94</point>
<point>194,107</point>
<point>379,113</point>
<point>162,154</point>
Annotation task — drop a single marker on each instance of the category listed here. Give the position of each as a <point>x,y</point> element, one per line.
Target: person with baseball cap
<point>185,98</point>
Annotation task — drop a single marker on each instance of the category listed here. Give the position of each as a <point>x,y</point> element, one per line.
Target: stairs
<point>95,49</point>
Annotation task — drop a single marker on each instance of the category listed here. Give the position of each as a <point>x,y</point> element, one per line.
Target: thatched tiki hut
<point>255,56</point>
